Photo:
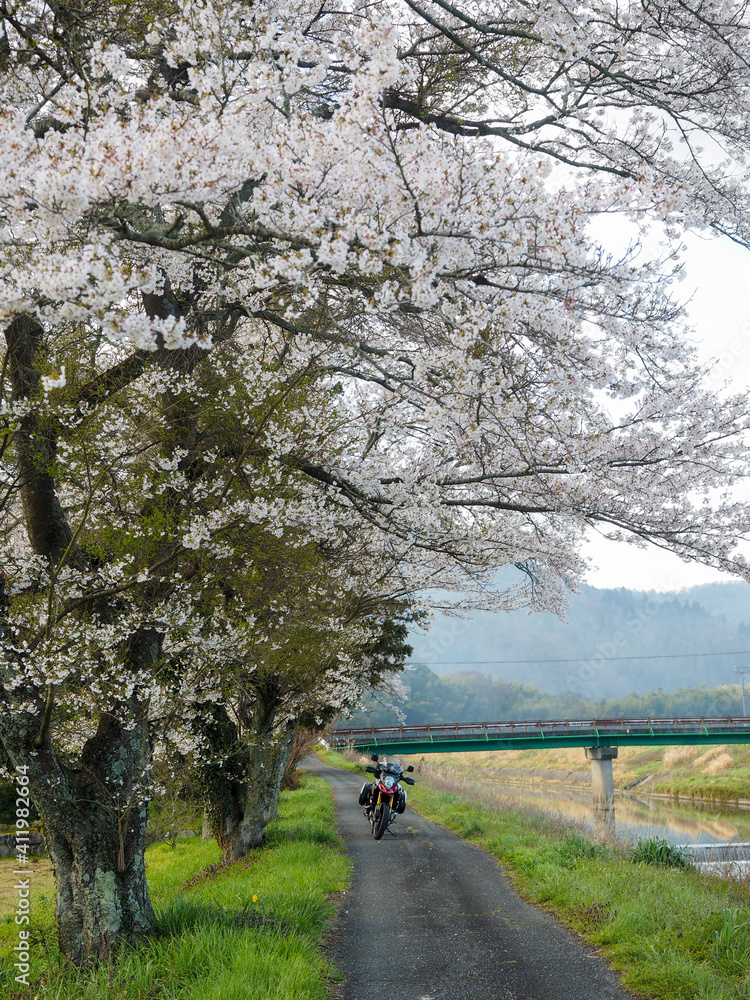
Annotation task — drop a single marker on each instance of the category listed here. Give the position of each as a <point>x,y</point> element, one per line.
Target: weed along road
<point>430,917</point>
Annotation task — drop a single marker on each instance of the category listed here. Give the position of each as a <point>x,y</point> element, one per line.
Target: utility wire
<point>576,659</point>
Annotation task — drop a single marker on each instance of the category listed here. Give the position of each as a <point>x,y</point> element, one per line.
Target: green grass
<point>657,851</point>
<point>672,933</point>
<point>728,787</point>
<point>347,762</point>
<point>216,941</point>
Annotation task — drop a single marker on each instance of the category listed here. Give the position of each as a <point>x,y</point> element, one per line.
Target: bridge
<point>549,735</point>
<point>600,738</point>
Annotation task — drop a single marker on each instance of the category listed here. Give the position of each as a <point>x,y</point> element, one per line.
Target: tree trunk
<point>94,814</point>
<point>243,777</point>
<point>305,742</point>
<point>102,894</point>
<point>248,807</point>
<point>206,831</point>
<point>95,829</point>
<point>266,767</point>
<point>226,823</point>
<point>222,774</point>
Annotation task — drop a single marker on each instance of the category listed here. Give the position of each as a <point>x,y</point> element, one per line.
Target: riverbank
<point>671,933</point>
<point>252,930</point>
<point>698,773</point>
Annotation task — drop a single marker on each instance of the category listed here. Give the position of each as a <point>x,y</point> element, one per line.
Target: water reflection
<point>635,815</point>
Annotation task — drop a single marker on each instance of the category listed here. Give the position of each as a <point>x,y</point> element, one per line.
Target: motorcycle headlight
<point>389,781</point>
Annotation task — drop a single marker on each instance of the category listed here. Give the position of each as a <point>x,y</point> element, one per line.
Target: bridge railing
<point>548,727</point>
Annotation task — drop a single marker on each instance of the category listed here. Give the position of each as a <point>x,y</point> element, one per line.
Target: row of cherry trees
<point>304,314</point>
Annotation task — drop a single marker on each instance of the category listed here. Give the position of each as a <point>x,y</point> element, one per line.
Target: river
<point>636,815</point>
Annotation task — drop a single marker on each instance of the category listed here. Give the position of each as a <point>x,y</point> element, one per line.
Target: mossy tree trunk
<point>94,812</point>
<point>267,761</point>
<point>97,842</point>
<point>242,777</point>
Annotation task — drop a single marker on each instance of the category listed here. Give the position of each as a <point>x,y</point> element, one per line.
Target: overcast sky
<point>718,283</point>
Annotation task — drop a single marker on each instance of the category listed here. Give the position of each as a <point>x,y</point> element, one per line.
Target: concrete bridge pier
<point>603,788</point>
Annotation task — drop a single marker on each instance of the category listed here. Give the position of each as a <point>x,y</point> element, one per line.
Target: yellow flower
<point>255,899</point>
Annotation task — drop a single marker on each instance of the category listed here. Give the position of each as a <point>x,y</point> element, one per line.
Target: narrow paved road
<point>430,917</point>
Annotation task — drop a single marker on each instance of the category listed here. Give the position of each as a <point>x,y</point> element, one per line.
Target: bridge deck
<point>460,737</point>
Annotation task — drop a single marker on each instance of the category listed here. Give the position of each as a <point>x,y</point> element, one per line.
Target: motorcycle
<point>384,798</point>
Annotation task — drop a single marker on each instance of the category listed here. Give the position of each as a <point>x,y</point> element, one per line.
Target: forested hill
<point>730,600</point>
<point>474,697</point>
<point>591,653</point>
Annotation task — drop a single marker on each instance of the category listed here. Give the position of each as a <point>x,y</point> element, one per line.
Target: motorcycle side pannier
<point>364,795</point>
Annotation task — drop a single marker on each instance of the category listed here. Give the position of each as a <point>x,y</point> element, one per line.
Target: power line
<point>576,659</point>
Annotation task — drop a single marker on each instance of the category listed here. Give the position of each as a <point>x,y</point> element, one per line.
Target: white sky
<point>718,284</point>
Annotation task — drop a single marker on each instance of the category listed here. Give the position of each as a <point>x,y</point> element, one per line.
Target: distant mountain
<point>730,600</point>
<point>615,642</point>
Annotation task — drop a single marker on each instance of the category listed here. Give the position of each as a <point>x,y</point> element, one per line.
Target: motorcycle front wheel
<point>380,820</point>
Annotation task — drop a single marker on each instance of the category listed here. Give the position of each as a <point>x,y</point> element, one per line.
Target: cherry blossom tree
<point>373,225</point>
<point>111,636</point>
<point>319,642</point>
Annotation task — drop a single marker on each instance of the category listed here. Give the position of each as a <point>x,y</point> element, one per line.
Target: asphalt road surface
<point>430,917</point>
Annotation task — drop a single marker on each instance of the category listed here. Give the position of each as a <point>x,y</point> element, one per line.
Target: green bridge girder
<point>541,736</point>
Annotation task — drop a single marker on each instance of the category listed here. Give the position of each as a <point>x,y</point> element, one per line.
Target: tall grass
<point>656,851</point>
<point>730,947</point>
<point>252,932</point>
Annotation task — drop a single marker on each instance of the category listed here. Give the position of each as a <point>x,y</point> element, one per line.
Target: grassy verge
<point>673,934</point>
<point>347,762</point>
<point>251,932</point>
